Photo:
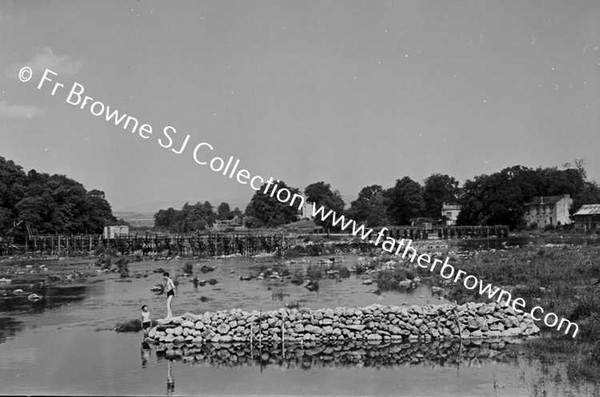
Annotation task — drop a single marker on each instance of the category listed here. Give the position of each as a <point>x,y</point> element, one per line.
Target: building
<point>548,211</point>
<point>112,232</point>
<point>225,225</point>
<point>587,218</point>
<point>450,213</point>
<point>307,211</point>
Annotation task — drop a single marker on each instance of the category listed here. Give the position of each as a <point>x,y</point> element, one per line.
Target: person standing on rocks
<point>170,290</point>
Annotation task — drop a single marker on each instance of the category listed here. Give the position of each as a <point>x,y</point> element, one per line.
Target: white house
<point>450,212</point>
<point>548,211</point>
<point>111,232</point>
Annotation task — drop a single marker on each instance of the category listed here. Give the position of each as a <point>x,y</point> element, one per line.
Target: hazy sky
<point>350,92</point>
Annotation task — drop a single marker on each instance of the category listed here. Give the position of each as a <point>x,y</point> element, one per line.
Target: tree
<point>439,189</point>
<point>321,194</point>
<point>224,212</point>
<point>500,198</point>
<point>369,207</point>
<point>169,219</point>
<point>269,210</point>
<point>404,201</point>
<point>48,203</point>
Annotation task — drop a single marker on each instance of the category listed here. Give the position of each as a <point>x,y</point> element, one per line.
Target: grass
<point>557,279</point>
<point>388,279</point>
<point>129,326</point>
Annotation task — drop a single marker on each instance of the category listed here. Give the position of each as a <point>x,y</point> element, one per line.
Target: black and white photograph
<point>300,198</point>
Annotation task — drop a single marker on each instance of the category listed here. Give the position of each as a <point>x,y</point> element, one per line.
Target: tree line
<point>35,202</point>
<point>40,203</point>
<point>495,199</point>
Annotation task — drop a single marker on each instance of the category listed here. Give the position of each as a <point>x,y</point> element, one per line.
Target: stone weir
<point>375,323</point>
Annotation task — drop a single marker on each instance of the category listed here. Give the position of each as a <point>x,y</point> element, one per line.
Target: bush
<point>314,272</point>
<point>188,268</point>
<point>388,279</point>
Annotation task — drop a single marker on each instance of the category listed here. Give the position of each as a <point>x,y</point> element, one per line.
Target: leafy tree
<point>46,203</point>
<point>439,189</point>
<point>404,201</point>
<point>321,194</point>
<point>269,210</point>
<point>169,219</point>
<point>500,198</point>
<point>224,212</point>
<point>369,207</point>
<point>190,218</point>
<point>253,223</point>
<point>237,212</point>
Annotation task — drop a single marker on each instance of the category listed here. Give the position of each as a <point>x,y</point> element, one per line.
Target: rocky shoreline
<point>375,324</point>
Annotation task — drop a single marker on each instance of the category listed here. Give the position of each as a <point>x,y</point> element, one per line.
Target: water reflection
<point>354,354</point>
<point>53,297</point>
<point>145,353</point>
<point>170,380</point>
<point>9,327</point>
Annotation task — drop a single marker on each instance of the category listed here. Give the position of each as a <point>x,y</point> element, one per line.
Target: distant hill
<point>136,219</point>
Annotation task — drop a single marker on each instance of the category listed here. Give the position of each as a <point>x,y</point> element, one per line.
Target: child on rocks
<point>146,321</point>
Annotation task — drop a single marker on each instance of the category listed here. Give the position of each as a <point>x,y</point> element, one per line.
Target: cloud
<point>64,65</point>
<point>18,111</point>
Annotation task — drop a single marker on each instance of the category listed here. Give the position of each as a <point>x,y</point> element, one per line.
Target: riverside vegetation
<point>561,279</point>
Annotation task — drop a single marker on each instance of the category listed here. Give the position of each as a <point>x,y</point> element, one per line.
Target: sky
<point>352,93</point>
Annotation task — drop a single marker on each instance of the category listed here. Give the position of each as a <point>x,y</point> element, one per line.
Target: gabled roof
<point>588,209</point>
<point>545,200</point>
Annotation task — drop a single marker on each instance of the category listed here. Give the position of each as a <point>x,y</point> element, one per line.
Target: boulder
<point>187,324</point>
<point>223,329</point>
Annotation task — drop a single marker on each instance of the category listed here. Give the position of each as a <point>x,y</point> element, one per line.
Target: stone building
<point>450,213</point>
<point>548,211</point>
<point>587,218</point>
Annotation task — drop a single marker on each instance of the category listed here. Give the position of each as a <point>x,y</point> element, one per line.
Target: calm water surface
<point>65,345</point>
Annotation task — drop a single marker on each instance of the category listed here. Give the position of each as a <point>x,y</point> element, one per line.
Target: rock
<point>374,338</point>
<point>223,329</point>
<point>179,339</point>
<point>187,324</point>
<point>476,334</point>
<point>355,327</point>
<point>511,332</point>
<point>225,339</point>
<point>199,325</point>
<point>178,331</point>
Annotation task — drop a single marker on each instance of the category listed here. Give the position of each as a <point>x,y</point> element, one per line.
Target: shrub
<point>314,272</point>
<point>188,268</point>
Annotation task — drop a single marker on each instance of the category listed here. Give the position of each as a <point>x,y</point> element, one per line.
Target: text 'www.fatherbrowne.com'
<point>229,166</point>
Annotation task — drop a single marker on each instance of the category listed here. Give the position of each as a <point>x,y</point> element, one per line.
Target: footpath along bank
<point>375,323</point>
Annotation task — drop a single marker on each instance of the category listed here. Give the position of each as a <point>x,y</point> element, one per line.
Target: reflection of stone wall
<point>374,323</point>
<point>355,353</point>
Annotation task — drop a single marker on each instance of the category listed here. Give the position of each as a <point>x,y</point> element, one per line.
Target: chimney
<point>542,200</point>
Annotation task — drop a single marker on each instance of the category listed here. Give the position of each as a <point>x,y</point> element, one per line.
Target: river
<point>66,344</point>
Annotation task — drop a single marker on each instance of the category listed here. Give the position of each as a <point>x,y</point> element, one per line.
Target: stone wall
<point>374,323</point>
